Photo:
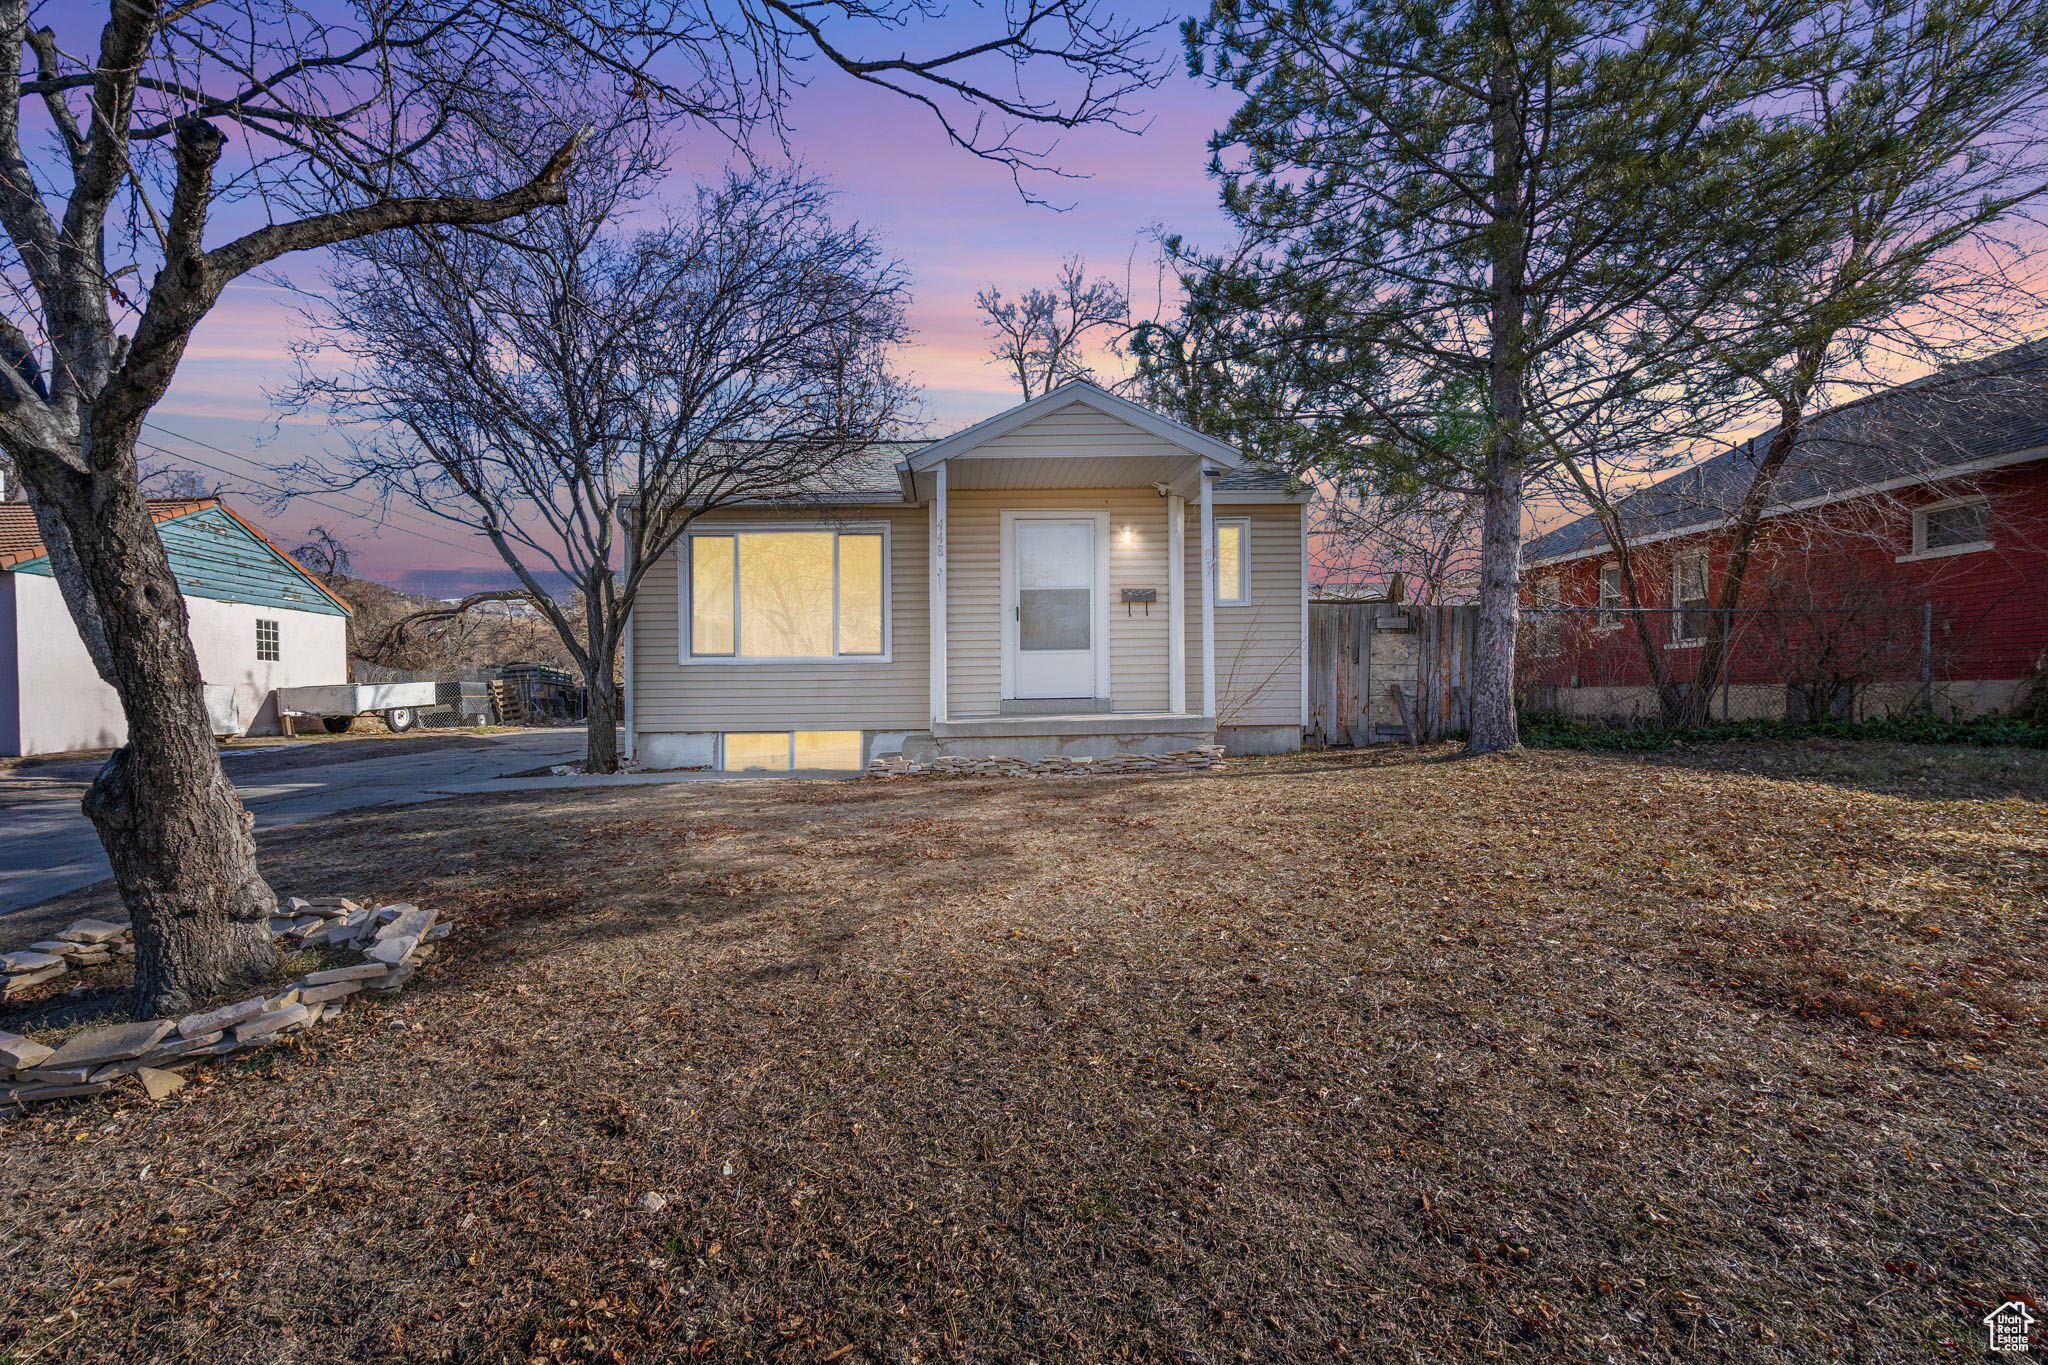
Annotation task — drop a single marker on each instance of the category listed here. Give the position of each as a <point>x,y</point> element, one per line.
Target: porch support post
<point>1208,595</point>
<point>1176,602</point>
<point>936,603</point>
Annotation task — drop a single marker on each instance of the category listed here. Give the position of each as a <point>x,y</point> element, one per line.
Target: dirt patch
<point>1710,1055</point>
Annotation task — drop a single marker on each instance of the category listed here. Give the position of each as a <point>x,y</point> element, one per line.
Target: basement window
<point>268,644</point>
<point>781,751</point>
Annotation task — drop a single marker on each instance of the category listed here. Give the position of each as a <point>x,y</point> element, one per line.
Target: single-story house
<point>1904,558</point>
<point>259,621</point>
<point>1075,576</point>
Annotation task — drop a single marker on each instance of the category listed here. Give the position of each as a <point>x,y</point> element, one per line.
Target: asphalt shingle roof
<point>1995,406</point>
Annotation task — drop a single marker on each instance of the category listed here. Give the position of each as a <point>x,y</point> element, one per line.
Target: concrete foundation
<point>1259,739</point>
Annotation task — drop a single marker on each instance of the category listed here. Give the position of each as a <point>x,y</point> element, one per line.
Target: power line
<point>402,530</point>
<point>384,513</point>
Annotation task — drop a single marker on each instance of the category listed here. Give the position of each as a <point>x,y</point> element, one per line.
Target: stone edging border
<point>395,940</point>
<point>1175,761</point>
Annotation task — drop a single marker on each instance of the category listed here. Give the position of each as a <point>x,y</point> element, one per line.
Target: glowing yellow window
<point>711,623</point>
<point>788,595</point>
<point>860,595</point>
<point>827,749</point>
<point>1233,565</point>
<point>767,751</point>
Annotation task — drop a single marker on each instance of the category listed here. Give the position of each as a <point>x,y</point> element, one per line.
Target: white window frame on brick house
<point>1680,564</point>
<point>1921,549</point>
<point>1610,607</point>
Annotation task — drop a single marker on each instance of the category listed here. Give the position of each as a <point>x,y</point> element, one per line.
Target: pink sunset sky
<point>957,222</point>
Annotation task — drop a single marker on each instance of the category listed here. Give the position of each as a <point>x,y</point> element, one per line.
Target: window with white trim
<point>1546,626</point>
<point>1954,526</point>
<point>269,643</point>
<point>1689,598</point>
<point>1610,598</point>
<point>1233,561</point>
<point>811,594</point>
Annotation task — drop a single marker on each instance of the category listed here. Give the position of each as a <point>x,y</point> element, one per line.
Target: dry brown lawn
<point>1736,1054</point>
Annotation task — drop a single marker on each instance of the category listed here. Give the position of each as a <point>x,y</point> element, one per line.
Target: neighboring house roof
<point>1989,412</point>
<point>193,531</point>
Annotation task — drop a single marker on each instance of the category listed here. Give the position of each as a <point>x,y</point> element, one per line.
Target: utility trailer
<point>337,705</point>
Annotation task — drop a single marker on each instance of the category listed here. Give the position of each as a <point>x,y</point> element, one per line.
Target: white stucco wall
<point>63,705</point>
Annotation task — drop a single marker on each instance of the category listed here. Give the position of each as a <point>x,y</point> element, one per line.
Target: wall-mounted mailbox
<point>1141,594</point>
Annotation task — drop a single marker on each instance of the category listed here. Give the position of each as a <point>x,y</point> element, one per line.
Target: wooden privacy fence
<point>1381,672</point>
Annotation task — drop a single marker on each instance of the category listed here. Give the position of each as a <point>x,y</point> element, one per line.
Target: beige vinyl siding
<point>975,623</point>
<point>828,695</point>
<point>1258,647</point>
<point>1081,432</point>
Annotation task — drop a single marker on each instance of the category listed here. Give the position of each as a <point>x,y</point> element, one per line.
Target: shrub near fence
<point>1796,664</point>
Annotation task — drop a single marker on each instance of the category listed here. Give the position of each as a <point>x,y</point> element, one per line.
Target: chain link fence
<point>1654,666</point>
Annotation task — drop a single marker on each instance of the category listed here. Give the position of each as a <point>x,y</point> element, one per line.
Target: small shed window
<point>1234,562</point>
<point>1963,524</point>
<point>267,650</point>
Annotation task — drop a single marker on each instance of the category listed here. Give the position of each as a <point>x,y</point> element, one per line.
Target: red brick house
<point>1905,556</point>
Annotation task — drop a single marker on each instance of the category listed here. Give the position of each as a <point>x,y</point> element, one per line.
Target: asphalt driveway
<point>47,847</point>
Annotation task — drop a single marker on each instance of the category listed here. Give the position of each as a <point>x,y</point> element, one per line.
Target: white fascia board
<point>1945,472</point>
<point>1077,391</point>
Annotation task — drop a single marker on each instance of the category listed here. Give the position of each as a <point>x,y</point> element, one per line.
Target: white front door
<point>1055,608</point>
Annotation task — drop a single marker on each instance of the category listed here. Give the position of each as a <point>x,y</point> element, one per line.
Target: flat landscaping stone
<point>21,981</point>
<point>36,1094</point>
<point>392,950</point>
<point>333,990</point>
<point>93,931</point>
<point>214,1020</point>
<point>361,971</point>
<point>115,1043</point>
<point>58,1075</point>
<point>178,1046</point>
<point>61,947</point>
<point>263,1025</point>
<point>410,922</point>
<point>28,961</point>
<point>18,1052</point>
<point>160,1084</point>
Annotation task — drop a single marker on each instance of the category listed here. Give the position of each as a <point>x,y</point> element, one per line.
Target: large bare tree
<point>577,394</point>
<point>1041,337</point>
<point>154,151</point>
<point>1943,109</point>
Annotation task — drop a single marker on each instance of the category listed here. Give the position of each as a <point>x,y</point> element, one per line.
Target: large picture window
<point>775,594</point>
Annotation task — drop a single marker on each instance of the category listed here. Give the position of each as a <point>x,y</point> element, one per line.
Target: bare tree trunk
<point>1493,656</point>
<point>1697,701</point>
<point>176,833</point>
<point>1493,726</point>
<point>601,719</point>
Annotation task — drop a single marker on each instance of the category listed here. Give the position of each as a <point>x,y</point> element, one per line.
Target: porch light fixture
<point>1127,537</point>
